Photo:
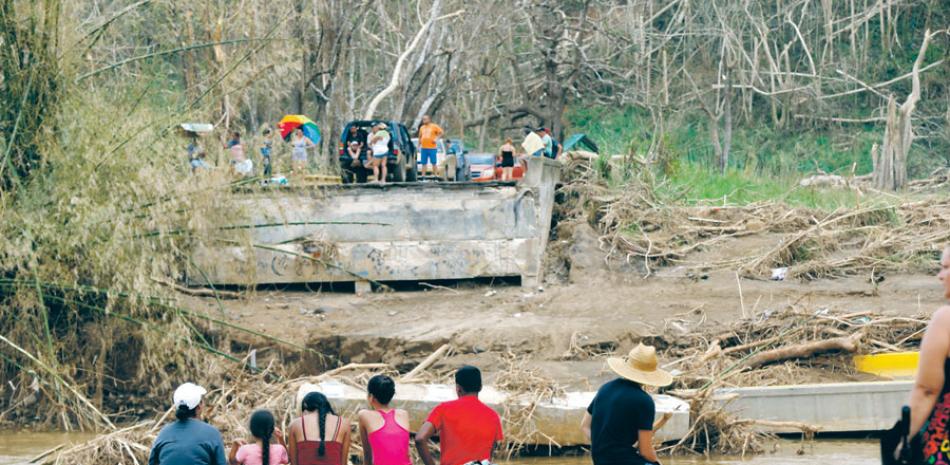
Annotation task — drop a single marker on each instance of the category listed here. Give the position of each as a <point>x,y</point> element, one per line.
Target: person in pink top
<point>384,430</point>
<point>263,451</point>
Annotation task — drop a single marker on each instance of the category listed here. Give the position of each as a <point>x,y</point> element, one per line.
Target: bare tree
<point>396,78</point>
<point>890,163</point>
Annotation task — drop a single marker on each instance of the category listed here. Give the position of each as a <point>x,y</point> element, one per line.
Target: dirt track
<point>599,314</point>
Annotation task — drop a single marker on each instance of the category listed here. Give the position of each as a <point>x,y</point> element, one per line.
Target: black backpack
<point>911,446</point>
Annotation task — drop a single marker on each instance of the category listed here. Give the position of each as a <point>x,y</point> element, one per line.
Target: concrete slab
<point>380,261</point>
<point>391,232</point>
<point>558,420</point>
<point>838,407</point>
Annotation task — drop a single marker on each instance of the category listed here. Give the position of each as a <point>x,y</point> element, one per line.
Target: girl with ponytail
<point>319,436</point>
<point>262,451</point>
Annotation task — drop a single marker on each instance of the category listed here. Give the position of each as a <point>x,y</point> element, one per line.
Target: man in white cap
<point>188,441</point>
<point>621,414</point>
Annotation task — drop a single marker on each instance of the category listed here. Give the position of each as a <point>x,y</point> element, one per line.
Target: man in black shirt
<point>356,134</point>
<point>621,414</point>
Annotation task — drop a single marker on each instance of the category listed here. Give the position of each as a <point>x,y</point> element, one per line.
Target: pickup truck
<point>400,161</point>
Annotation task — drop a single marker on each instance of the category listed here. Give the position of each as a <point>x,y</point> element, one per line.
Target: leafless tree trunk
<point>727,125</point>
<point>890,164</point>
<point>396,78</point>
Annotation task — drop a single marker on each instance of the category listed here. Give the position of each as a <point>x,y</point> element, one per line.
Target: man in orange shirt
<point>429,133</point>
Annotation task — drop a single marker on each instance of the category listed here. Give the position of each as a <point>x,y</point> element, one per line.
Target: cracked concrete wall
<point>397,232</point>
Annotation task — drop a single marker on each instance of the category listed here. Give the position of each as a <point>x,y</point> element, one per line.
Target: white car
<point>439,155</point>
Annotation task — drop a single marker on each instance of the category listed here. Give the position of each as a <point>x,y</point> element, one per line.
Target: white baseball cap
<point>189,395</point>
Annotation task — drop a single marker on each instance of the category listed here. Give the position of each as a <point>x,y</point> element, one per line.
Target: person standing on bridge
<point>506,157</point>
<point>621,414</point>
<point>930,396</point>
<point>240,163</point>
<point>379,142</point>
<point>468,430</point>
<point>429,134</point>
<point>300,144</point>
<point>267,148</point>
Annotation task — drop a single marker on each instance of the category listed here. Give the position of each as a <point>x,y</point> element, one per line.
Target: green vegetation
<point>766,164</point>
<point>755,147</point>
<point>694,184</point>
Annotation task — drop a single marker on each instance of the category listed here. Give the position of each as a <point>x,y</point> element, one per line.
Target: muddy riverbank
<point>18,447</point>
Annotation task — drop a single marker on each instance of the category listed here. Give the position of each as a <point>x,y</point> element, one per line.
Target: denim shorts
<point>429,156</point>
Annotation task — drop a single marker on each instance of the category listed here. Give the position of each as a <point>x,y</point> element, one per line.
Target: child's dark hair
<point>183,412</point>
<point>236,135</point>
<point>262,427</point>
<point>267,132</point>
<point>317,402</point>
<point>382,388</point>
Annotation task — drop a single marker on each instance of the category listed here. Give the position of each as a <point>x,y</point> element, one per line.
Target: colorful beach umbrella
<point>288,124</point>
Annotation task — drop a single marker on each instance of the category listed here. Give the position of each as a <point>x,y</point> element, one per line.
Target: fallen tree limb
<point>805,428</point>
<point>198,292</point>
<point>429,361</point>
<point>808,349</point>
<point>351,366</point>
<point>436,286</point>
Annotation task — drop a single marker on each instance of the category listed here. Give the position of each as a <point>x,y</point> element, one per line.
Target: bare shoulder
<point>364,416</point>
<point>941,317</point>
<point>294,426</point>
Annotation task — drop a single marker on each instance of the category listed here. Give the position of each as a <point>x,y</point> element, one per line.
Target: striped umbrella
<point>288,124</point>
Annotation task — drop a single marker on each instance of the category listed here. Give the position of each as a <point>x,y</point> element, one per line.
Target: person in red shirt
<point>468,430</point>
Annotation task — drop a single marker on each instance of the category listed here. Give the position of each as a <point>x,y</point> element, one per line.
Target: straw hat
<point>639,366</point>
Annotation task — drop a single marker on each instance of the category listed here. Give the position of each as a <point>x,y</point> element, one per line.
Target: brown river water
<point>20,447</point>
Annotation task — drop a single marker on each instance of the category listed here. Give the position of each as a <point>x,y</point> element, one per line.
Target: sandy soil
<point>600,312</point>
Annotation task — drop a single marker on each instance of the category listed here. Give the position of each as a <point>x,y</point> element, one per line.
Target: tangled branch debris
<point>889,234</point>
<point>526,388</point>
<point>789,346</point>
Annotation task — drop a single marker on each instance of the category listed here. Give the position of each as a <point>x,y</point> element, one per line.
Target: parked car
<point>439,155</point>
<point>485,168</point>
<point>402,153</point>
<point>444,149</point>
<point>481,167</point>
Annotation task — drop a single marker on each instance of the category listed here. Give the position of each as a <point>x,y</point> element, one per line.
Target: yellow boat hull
<point>891,365</point>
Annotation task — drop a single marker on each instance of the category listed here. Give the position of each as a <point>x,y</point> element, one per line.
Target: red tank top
<point>307,450</point>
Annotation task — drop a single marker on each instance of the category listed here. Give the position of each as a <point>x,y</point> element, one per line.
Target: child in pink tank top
<point>263,431</point>
<point>385,431</point>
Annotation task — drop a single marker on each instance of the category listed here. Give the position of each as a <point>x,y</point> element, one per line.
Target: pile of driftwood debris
<point>793,345</point>
<point>884,233</point>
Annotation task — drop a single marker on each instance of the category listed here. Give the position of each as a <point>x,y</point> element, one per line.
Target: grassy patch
<point>695,184</point>
<point>756,147</point>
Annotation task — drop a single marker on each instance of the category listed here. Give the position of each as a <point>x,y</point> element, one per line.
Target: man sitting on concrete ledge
<point>468,430</point>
